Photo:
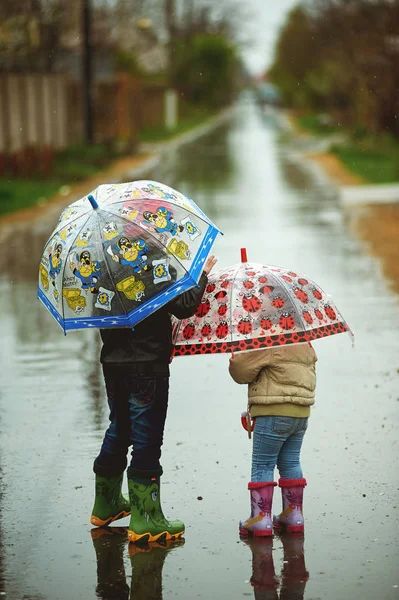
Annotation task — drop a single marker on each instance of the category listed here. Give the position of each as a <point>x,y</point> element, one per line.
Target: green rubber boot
<point>109,505</point>
<point>147,521</point>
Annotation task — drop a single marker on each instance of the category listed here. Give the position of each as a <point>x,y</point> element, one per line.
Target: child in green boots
<point>136,372</point>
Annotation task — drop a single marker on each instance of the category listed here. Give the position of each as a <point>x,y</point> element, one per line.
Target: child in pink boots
<point>281,389</point>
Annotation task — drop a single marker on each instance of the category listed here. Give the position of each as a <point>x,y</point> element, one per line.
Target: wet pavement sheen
<point>246,175</point>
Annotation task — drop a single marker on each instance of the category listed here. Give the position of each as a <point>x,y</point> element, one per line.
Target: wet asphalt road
<point>247,177</point>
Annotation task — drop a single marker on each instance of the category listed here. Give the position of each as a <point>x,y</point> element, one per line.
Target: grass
<point>375,164</point>
<point>72,165</point>
<point>191,117</point>
<point>374,158</point>
<point>17,193</point>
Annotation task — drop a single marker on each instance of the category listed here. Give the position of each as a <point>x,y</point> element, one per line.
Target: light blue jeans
<point>277,441</point>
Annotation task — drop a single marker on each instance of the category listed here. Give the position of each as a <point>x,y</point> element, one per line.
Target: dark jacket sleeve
<point>185,305</point>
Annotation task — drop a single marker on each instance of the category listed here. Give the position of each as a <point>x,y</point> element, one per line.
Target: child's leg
<point>288,461</point>
<point>148,405</point>
<point>270,434</point>
<point>112,459</point>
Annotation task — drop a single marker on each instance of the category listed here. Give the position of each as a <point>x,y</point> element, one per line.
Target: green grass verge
<point>16,193</point>
<point>72,165</point>
<point>374,164</point>
<point>374,158</point>
<point>190,118</point>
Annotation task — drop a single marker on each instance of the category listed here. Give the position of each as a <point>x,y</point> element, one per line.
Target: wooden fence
<point>42,113</point>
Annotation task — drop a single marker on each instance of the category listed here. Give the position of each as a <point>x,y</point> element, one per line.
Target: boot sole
<point>289,528</point>
<point>255,533</point>
<point>158,537</point>
<point>97,522</point>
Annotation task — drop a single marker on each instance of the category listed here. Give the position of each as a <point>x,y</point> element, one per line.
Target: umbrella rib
<point>126,312</point>
<point>231,303</point>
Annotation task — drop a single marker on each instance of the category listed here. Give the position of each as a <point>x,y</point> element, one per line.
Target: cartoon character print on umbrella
<point>162,221</point>
<point>132,253</point>
<point>301,295</point>
<point>307,316</point>
<point>222,310</point>
<point>206,330</point>
<point>251,303</point>
<point>245,326</point>
<point>222,330</point>
<point>278,302</point>
<point>55,262</point>
<point>317,294</point>
<point>266,324</point>
<point>220,296</point>
<point>188,331</point>
<point>203,308</point>
<point>266,289</point>
<point>156,190</point>
<point>248,284</point>
<point>210,288</point>
<point>330,312</point>
<point>286,321</point>
<point>87,270</point>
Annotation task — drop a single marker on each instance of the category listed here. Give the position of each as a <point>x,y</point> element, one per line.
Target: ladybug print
<point>317,294</point>
<point>251,303</point>
<point>307,316</point>
<point>188,331</point>
<point>278,302</point>
<point>244,326</point>
<point>248,284</point>
<point>222,330</point>
<point>210,288</point>
<point>286,278</point>
<point>330,312</point>
<point>303,281</point>
<point>251,273</point>
<point>266,323</point>
<point>225,284</point>
<point>286,321</point>
<point>318,314</point>
<point>292,274</point>
<point>266,289</point>
<point>224,275</point>
<point>220,296</point>
<point>263,279</point>
<point>206,330</point>
<point>301,295</point>
<point>203,308</point>
<point>222,310</point>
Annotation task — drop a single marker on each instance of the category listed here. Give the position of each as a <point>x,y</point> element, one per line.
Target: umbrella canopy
<point>250,306</point>
<point>121,253</point>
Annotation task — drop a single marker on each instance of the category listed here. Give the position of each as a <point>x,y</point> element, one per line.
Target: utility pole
<point>87,75</point>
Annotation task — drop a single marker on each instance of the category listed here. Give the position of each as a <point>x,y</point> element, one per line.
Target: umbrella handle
<point>245,420</point>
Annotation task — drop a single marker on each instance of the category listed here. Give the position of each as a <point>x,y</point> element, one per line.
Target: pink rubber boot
<point>291,518</point>
<point>259,523</point>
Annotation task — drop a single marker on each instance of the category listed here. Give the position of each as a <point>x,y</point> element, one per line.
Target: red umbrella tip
<point>244,255</point>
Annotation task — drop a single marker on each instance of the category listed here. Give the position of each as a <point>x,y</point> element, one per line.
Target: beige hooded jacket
<point>281,380</point>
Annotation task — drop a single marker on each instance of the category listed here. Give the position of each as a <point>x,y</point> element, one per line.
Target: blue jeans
<point>138,406</point>
<point>277,441</point>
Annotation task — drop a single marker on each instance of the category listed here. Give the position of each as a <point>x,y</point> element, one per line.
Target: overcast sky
<point>266,18</point>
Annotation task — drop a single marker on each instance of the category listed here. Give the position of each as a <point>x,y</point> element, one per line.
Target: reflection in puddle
<point>291,583</point>
<point>146,561</point>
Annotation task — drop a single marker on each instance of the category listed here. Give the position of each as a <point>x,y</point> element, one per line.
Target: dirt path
<point>377,225</point>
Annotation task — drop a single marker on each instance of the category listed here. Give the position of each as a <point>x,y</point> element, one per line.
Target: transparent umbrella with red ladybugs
<point>249,306</point>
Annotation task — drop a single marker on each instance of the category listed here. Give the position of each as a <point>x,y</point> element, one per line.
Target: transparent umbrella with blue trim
<point>122,252</point>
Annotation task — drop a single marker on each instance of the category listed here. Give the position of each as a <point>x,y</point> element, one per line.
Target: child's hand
<point>210,263</point>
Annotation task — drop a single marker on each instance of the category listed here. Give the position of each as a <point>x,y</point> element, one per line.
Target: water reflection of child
<point>136,372</point>
<point>281,389</point>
